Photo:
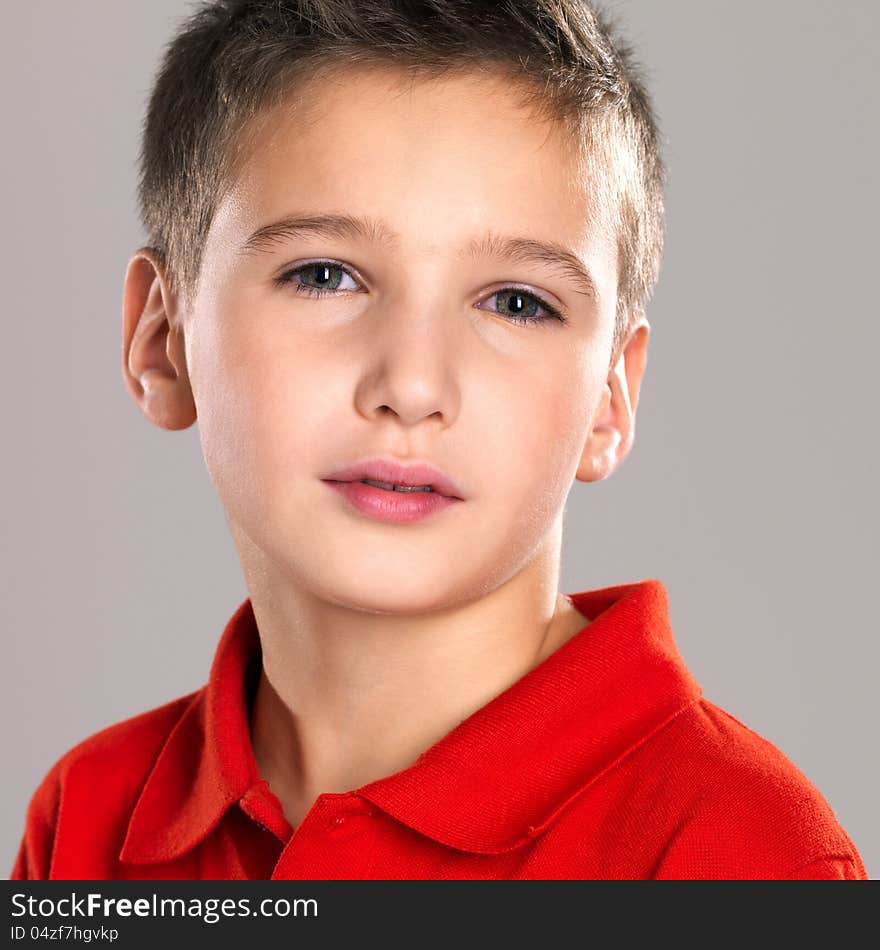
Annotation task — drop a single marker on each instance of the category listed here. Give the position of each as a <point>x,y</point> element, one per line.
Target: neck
<point>347,697</point>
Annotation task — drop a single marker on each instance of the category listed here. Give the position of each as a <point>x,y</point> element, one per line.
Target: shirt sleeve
<point>829,868</point>
<point>34,859</point>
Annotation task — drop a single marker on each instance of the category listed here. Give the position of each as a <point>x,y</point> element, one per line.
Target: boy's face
<point>415,354</point>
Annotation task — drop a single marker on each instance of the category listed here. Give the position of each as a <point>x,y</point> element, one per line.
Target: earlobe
<point>613,430</point>
<point>153,355</point>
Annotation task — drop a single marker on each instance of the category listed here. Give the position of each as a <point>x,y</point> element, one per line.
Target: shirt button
<point>339,820</point>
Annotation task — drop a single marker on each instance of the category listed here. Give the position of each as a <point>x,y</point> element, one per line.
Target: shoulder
<point>131,744</point>
<point>741,807</point>
<point>102,774</point>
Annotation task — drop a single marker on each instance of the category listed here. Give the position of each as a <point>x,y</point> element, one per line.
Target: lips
<point>396,473</point>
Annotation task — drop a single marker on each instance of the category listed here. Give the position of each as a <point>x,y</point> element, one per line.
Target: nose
<point>409,364</point>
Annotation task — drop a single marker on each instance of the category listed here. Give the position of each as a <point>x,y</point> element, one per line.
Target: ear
<point>153,353</point>
<point>613,429</point>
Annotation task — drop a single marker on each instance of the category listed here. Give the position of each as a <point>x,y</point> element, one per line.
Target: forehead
<point>437,157</point>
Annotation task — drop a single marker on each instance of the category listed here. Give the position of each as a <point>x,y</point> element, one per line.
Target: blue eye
<point>522,306</point>
<point>327,276</point>
<point>323,279</point>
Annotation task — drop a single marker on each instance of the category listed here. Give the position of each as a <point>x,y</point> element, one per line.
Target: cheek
<point>262,409</point>
<point>539,429</point>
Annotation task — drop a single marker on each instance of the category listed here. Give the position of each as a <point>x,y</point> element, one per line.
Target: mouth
<point>390,475</point>
<point>390,486</point>
<point>390,501</point>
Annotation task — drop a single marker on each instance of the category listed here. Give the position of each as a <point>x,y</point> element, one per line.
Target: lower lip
<point>395,506</point>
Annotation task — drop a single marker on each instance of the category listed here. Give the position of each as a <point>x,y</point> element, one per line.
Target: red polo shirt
<point>604,761</point>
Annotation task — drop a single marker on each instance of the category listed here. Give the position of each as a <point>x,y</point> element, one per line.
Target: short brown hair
<point>232,60</point>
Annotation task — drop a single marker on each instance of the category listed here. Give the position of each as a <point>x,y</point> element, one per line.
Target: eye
<point>522,306</point>
<point>316,278</point>
<point>325,279</point>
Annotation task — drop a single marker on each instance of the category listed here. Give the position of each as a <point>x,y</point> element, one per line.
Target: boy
<point>399,261</point>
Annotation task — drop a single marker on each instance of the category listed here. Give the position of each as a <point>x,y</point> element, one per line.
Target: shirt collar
<point>501,776</point>
<point>492,783</point>
<point>207,762</point>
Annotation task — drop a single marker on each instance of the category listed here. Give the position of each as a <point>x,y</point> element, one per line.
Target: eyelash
<point>284,280</point>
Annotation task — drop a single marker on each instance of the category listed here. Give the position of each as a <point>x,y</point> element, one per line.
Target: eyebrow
<point>517,250</point>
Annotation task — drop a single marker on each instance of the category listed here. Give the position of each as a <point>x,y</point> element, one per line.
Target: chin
<point>392,596</point>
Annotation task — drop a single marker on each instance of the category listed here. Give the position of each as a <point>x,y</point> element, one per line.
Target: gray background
<point>749,490</point>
